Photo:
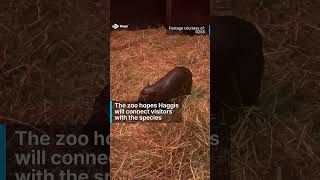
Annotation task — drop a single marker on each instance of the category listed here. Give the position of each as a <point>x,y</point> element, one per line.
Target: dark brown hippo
<point>176,83</point>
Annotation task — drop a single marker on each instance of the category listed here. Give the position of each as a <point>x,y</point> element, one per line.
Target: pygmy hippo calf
<point>175,84</point>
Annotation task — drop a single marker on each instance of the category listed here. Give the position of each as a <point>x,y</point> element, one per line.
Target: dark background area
<point>53,57</point>
<point>146,13</point>
<point>52,66</point>
<point>279,138</point>
<point>138,13</point>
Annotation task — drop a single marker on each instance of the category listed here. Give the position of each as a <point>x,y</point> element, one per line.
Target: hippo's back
<point>176,82</point>
<point>238,60</point>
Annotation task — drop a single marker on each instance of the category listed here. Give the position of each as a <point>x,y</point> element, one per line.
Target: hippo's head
<point>149,93</point>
